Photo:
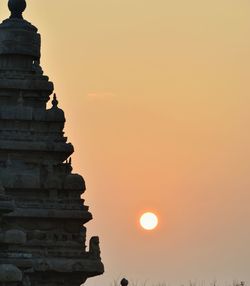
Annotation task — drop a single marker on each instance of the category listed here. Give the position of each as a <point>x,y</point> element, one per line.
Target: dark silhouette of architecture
<point>42,214</point>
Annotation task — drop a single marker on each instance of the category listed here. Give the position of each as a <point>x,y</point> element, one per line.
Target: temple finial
<point>54,101</point>
<point>16,8</point>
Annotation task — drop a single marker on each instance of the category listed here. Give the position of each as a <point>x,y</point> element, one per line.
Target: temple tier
<point>42,214</point>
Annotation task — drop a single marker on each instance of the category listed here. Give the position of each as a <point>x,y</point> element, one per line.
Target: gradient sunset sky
<point>156,95</point>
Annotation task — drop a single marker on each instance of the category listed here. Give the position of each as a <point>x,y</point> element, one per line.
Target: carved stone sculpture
<point>42,214</point>
<point>94,248</point>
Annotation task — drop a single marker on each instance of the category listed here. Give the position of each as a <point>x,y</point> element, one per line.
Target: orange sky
<point>156,96</point>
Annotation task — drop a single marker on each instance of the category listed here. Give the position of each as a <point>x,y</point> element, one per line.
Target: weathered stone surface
<point>10,273</point>
<point>42,212</point>
<point>14,236</point>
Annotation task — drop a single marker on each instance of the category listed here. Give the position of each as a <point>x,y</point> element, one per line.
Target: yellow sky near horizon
<point>156,97</point>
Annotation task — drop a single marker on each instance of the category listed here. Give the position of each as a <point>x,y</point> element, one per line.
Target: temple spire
<point>16,8</point>
<point>54,101</point>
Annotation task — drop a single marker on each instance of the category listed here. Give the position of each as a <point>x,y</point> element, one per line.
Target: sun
<point>149,221</point>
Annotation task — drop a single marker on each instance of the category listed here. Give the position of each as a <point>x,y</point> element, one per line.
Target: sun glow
<point>149,221</point>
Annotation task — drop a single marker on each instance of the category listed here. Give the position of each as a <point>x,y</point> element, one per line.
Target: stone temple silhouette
<point>42,214</point>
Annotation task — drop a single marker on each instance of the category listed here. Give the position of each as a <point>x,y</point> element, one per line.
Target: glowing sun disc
<point>148,221</point>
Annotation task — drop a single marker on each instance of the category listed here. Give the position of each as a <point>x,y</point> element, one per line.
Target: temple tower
<point>42,213</point>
